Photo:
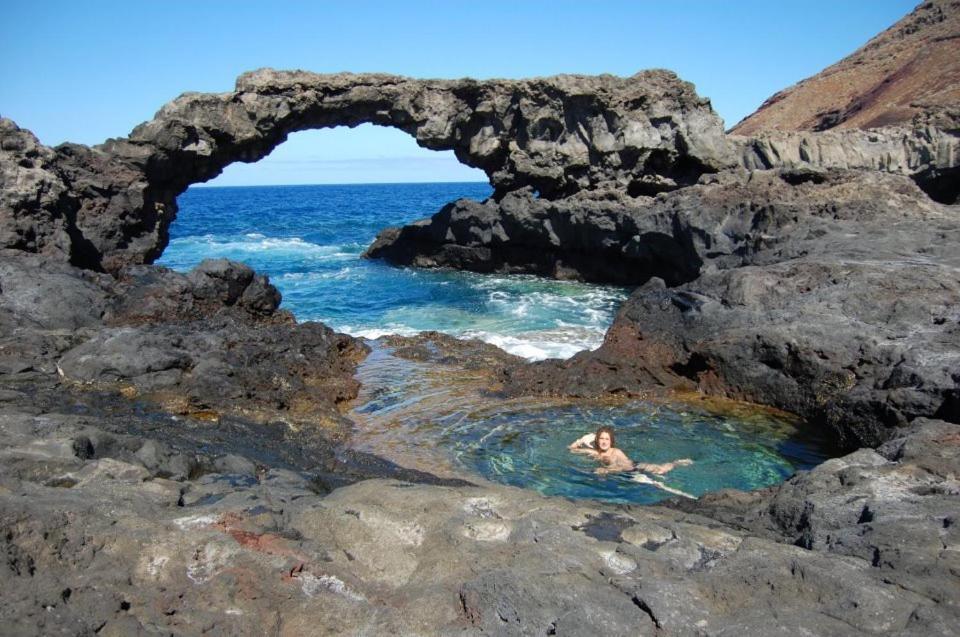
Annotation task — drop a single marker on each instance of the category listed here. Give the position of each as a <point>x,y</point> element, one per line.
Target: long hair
<point>605,430</point>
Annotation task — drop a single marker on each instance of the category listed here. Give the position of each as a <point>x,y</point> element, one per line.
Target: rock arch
<point>111,205</point>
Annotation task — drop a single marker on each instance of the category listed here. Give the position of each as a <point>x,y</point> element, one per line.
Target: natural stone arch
<point>112,204</point>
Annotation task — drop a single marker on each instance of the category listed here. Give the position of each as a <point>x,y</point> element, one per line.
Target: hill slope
<point>911,68</point>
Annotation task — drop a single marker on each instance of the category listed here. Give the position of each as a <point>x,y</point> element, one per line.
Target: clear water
<point>446,420</point>
<point>529,449</point>
<point>308,239</point>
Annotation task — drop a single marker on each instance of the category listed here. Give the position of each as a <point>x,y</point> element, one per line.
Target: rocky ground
<point>101,539</point>
<point>125,511</point>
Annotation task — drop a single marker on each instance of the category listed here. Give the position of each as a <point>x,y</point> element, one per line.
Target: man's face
<point>603,441</point>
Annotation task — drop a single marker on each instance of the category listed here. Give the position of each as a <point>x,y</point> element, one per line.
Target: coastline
<point>175,448</point>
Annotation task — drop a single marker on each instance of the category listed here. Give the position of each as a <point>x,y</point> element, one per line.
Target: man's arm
<point>583,443</point>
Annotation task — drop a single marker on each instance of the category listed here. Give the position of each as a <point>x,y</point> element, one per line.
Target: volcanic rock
<point>210,342</point>
<point>834,296</point>
<point>111,205</point>
<point>102,543</point>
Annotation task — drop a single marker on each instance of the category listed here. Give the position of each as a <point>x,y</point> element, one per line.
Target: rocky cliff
<point>912,69</point>
<point>929,153</point>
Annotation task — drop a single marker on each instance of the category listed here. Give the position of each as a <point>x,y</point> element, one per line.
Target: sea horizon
<point>351,183</point>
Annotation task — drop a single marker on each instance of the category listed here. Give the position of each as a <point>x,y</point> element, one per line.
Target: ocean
<point>308,240</point>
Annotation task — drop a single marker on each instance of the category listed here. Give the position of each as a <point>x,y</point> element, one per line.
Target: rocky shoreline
<point>227,512</point>
<point>172,446</point>
<point>121,518</point>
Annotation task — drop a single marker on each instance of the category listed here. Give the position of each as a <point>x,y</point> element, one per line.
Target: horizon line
<point>346,183</point>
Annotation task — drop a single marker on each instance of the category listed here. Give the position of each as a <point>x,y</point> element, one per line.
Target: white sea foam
<point>254,243</point>
<point>540,345</point>
<point>375,333</point>
<point>307,277</point>
<point>533,345</point>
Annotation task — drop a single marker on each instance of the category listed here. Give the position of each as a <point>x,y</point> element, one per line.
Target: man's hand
<point>583,441</point>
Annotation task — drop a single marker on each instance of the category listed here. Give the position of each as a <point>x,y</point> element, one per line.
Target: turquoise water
<point>529,449</point>
<point>445,419</point>
<point>308,239</point>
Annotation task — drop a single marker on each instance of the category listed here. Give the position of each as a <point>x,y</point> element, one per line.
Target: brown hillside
<point>912,67</point>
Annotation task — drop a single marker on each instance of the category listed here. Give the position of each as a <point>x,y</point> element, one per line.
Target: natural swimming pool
<point>443,419</point>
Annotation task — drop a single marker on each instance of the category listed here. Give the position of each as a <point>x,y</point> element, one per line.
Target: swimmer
<point>602,446</point>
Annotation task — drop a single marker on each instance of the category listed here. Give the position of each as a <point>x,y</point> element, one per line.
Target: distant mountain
<point>911,68</point>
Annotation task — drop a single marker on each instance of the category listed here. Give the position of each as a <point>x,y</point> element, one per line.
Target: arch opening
<point>366,153</point>
<point>309,239</point>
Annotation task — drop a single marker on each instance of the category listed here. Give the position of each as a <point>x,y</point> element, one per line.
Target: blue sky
<point>86,71</point>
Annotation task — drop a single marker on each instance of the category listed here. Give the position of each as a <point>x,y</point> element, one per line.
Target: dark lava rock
<point>207,343</point>
<point>98,541</point>
<point>591,137</point>
<point>110,206</point>
<point>894,508</point>
<point>835,300</point>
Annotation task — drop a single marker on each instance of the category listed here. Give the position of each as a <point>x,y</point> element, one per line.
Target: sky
<point>87,71</point>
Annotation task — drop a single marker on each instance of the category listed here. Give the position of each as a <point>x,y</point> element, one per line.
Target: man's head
<point>605,439</point>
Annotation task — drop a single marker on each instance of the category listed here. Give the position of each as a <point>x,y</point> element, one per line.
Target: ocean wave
<point>256,243</point>
<point>533,345</point>
<point>593,308</point>
<point>308,277</point>
<point>374,333</point>
<point>538,345</point>
<point>532,350</point>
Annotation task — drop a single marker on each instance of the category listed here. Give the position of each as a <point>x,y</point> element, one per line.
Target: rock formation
<point>912,69</point>
<point>170,444</point>
<point>832,295</point>
<point>111,205</point>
